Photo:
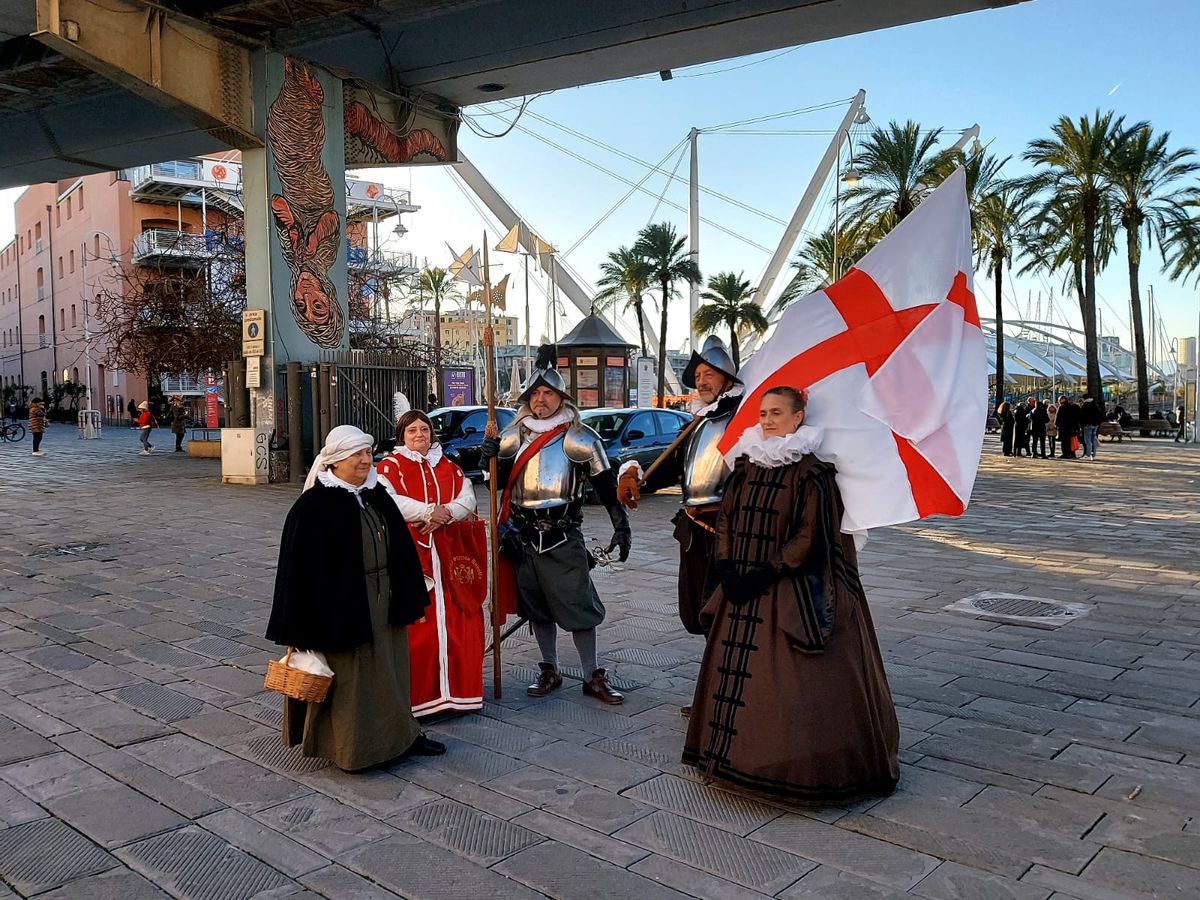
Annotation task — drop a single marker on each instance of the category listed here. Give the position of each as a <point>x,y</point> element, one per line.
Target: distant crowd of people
<point>1038,428</point>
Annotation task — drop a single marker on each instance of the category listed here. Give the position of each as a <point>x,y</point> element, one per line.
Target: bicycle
<point>12,431</point>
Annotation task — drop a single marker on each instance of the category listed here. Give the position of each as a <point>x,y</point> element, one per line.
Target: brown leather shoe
<point>597,686</point>
<point>548,680</point>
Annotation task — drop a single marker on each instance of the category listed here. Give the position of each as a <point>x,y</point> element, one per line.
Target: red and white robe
<point>446,647</point>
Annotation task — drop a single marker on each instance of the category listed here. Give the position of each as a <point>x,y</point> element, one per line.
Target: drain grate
<point>655,659</point>
<point>1019,609</point>
<point>193,863</point>
<point>41,855</point>
<point>271,751</point>
<point>478,836</point>
<point>219,647</point>
<point>76,549</point>
<point>160,702</point>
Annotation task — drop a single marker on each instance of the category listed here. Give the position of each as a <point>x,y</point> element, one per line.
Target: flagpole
<point>489,342</point>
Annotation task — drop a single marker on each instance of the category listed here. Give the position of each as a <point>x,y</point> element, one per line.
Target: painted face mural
<point>309,227</point>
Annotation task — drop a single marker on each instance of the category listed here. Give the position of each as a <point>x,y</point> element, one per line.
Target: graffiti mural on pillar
<point>309,226</point>
<point>382,131</point>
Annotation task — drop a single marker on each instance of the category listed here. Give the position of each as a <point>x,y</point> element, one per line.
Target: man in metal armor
<point>702,474</point>
<point>543,458</point>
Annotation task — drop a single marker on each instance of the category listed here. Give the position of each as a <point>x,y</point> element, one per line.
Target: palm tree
<point>627,275</point>
<point>1183,242</point>
<point>898,166</point>
<point>730,303</point>
<point>436,284</point>
<point>663,251</point>
<point>1145,178</point>
<point>1075,170</point>
<point>814,264</point>
<point>997,221</point>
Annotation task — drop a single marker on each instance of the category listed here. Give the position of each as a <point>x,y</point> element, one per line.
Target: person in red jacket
<point>145,423</point>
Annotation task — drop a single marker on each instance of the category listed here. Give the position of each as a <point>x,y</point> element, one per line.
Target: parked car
<point>460,431</point>
<point>641,434</point>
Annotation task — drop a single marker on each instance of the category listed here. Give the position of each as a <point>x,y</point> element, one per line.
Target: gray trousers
<point>555,586</point>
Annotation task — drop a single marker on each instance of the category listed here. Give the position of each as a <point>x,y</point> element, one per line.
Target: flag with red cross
<point>893,359</point>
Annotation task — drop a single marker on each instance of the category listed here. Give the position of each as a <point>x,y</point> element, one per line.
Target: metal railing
<point>159,243</point>
<point>362,260</point>
<point>179,169</point>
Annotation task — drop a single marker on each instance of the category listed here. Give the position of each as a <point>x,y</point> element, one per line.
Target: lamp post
<point>850,177</point>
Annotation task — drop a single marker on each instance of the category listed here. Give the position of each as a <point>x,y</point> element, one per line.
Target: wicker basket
<point>294,683</point>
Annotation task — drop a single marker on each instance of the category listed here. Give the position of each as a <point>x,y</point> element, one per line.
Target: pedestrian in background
<point>145,423</point>
<point>1038,420</point>
<point>132,408</point>
<point>37,423</point>
<point>1005,415</point>
<point>1052,426</point>
<point>1021,423</point>
<point>1091,414</point>
<point>1181,421</point>
<point>1068,426</point>
<point>177,422</point>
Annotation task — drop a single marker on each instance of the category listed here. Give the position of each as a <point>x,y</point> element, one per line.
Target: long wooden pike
<point>672,447</point>
<point>489,342</point>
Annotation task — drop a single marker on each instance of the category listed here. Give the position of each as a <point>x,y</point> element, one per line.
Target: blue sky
<point>1012,70</point>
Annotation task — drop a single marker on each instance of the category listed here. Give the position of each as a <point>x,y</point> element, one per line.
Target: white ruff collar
<point>772,452</point>
<point>697,408</point>
<point>541,426</point>
<point>328,479</point>
<point>433,457</point>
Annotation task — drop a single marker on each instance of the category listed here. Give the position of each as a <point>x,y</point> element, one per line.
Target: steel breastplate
<point>704,470</point>
<point>549,479</point>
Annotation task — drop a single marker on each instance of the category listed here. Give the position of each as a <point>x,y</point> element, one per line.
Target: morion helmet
<point>714,355</point>
<point>545,375</point>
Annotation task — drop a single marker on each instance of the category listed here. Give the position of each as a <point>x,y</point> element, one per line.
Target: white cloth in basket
<point>311,661</point>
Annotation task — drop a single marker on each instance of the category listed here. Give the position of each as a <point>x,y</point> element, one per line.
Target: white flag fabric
<point>893,359</point>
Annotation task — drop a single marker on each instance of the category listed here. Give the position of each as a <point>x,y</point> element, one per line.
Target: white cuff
<point>627,466</point>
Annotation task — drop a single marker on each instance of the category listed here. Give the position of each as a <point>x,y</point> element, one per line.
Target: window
<point>45,384</point>
<point>41,324</point>
<point>57,216</point>
<point>668,424</point>
<point>62,320</point>
<point>60,267</point>
<point>68,208</point>
<point>41,286</point>
<point>80,195</point>
<point>96,252</point>
<point>75,374</point>
<point>71,257</point>
<point>643,422</point>
<point>73,321</point>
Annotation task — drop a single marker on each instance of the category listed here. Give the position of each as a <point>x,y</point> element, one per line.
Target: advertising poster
<point>589,399</point>
<point>458,387</point>
<point>614,387</point>
<point>647,381</point>
<point>587,378</point>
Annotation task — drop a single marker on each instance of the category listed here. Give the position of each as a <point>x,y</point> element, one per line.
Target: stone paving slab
<point>140,756</point>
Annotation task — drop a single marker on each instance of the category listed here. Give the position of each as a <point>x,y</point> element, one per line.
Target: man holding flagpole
<point>545,455</point>
<point>702,473</point>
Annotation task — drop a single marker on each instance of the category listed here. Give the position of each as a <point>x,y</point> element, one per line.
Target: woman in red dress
<point>446,647</point>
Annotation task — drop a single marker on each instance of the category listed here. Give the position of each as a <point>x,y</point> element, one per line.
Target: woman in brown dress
<point>348,584</point>
<point>792,698</point>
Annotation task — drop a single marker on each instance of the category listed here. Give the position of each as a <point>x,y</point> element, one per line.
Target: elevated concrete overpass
<point>95,85</point>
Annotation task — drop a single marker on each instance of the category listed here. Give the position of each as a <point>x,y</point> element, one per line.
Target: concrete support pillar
<point>295,213</point>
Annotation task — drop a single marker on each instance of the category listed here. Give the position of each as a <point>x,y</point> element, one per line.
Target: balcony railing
<point>161,245</point>
<point>359,259</point>
<point>175,169</point>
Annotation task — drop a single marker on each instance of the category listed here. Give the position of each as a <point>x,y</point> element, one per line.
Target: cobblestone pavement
<point>140,757</point>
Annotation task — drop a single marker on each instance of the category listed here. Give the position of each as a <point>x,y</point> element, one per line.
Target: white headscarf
<point>342,442</point>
